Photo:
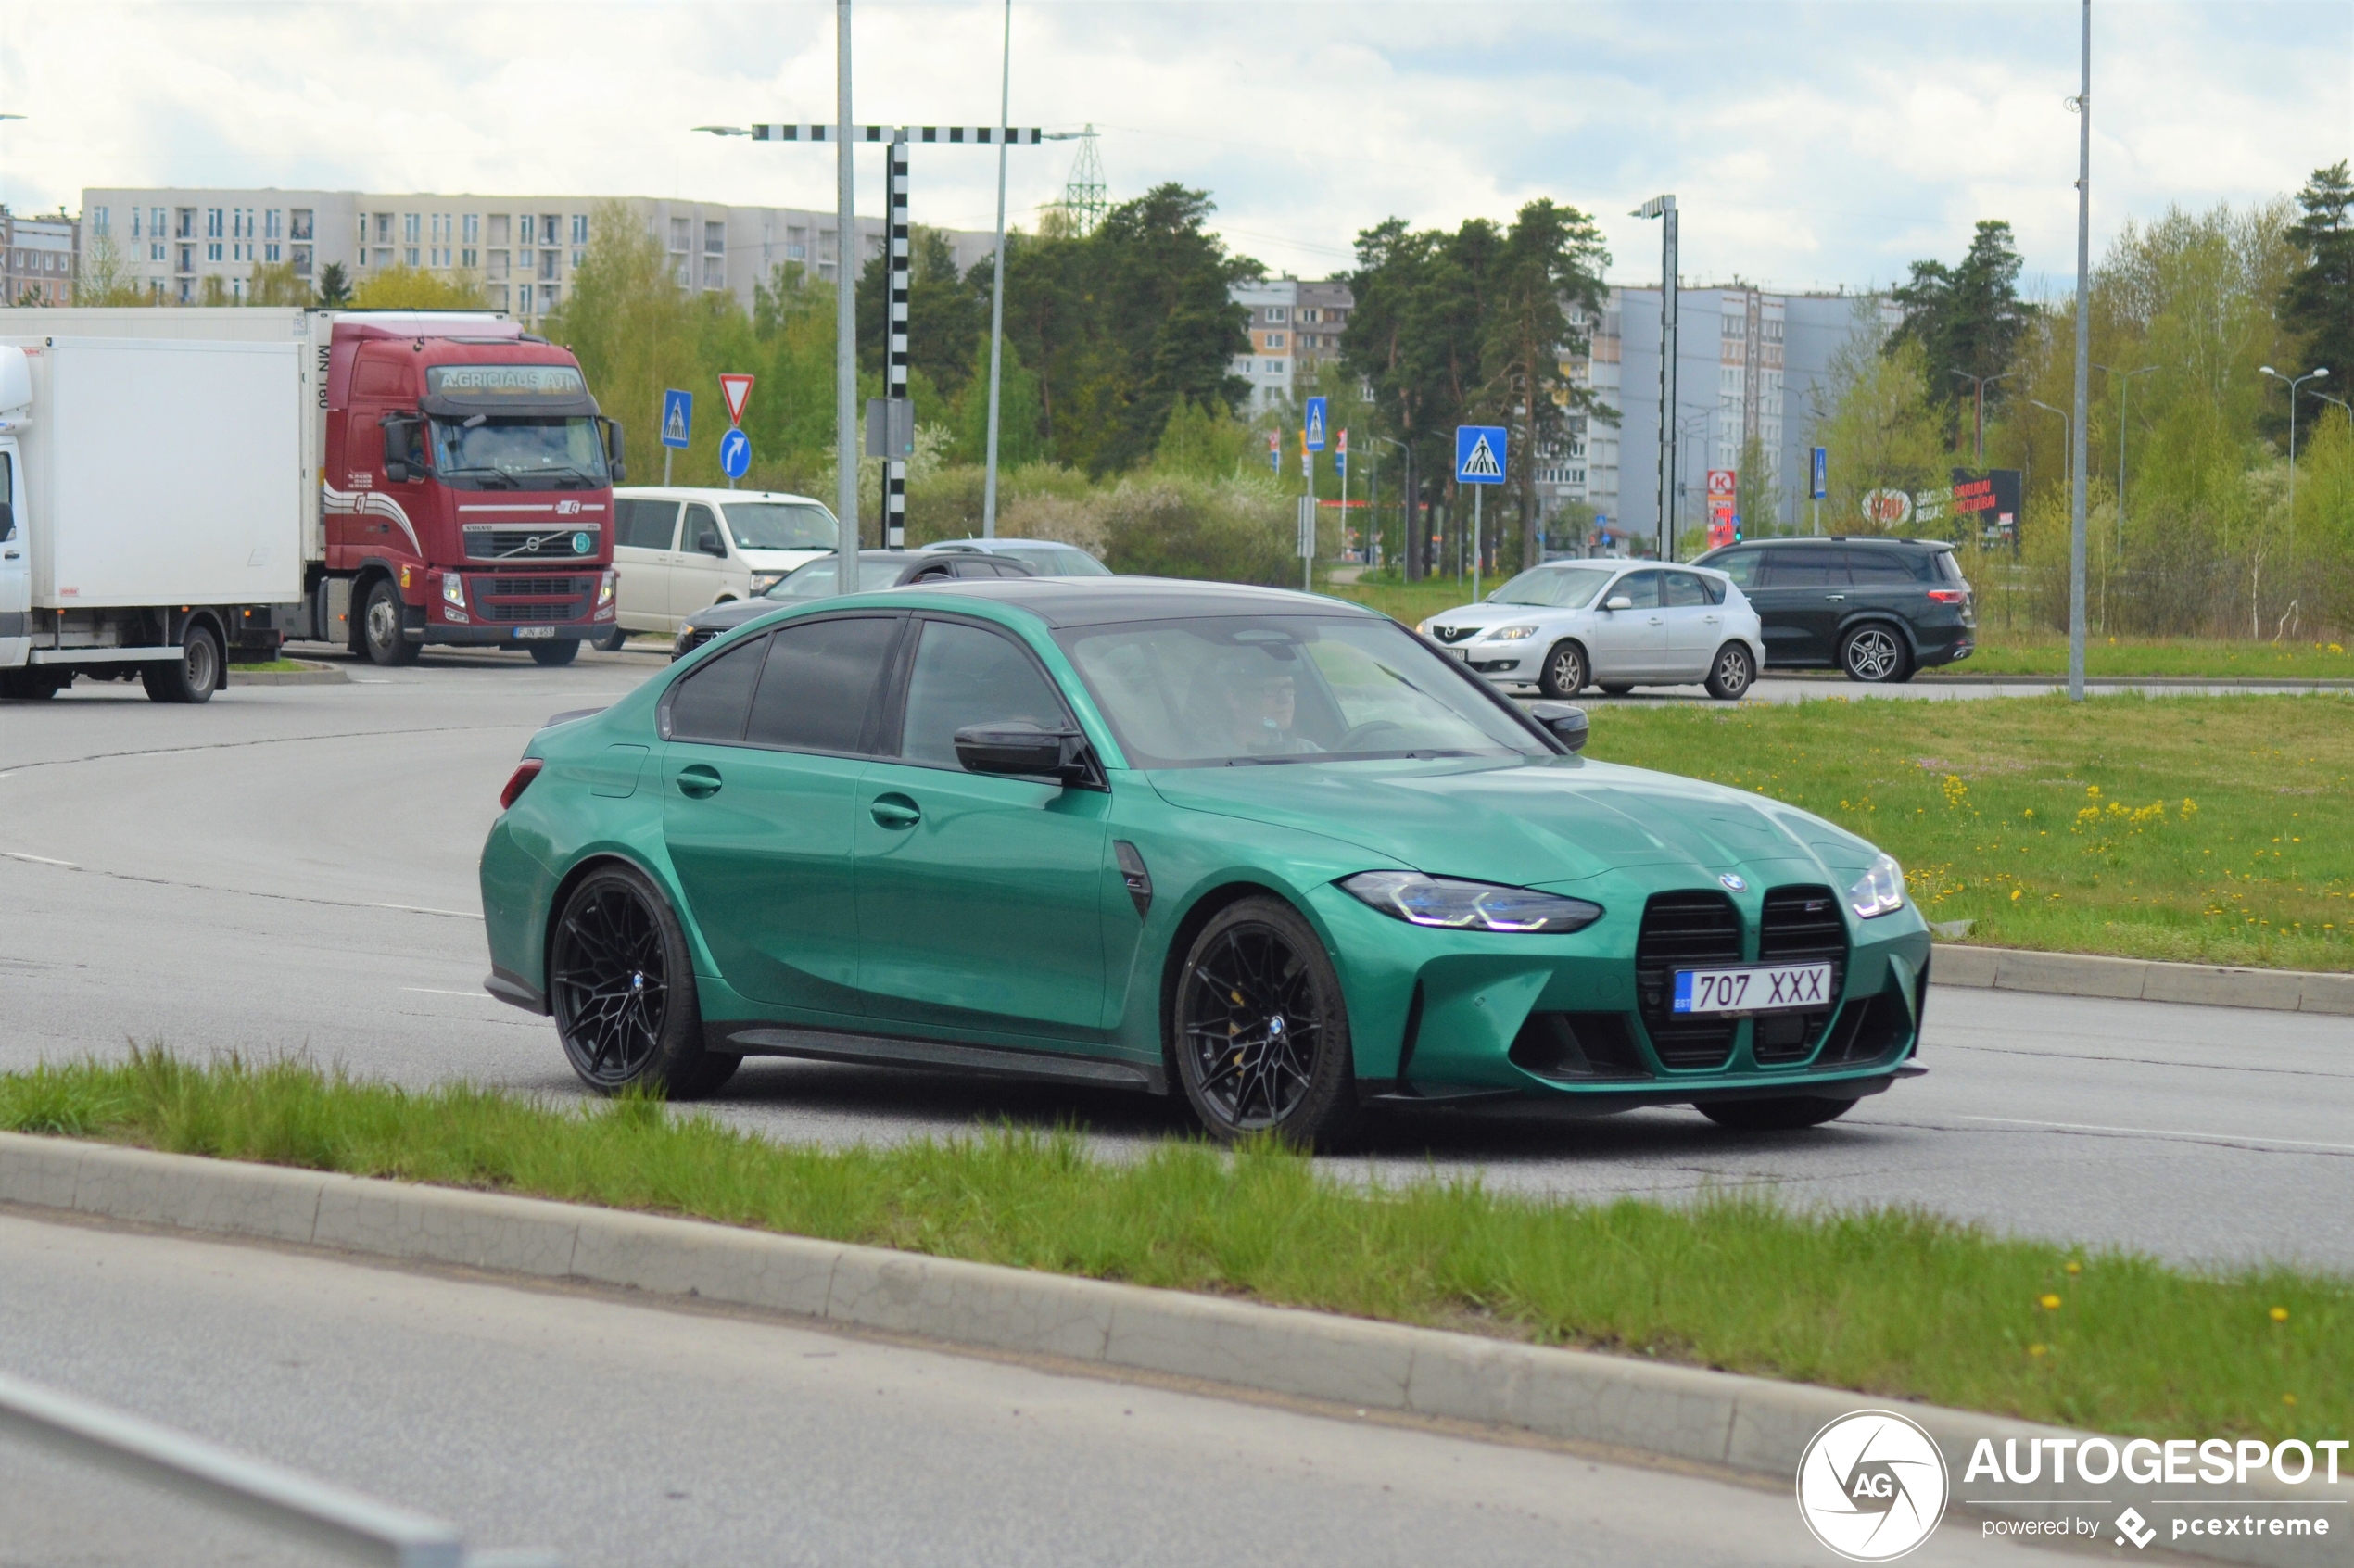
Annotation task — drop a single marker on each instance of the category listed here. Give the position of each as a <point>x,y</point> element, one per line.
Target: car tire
<point>380,630</point>
<point>1875,652</point>
<point>1256,983</point>
<point>1785,1114</point>
<point>1617,688</point>
<point>611,642</point>
<point>192,677</point>
<point>1732,674</point>
<point>621,984</point>
<point>562,651</point>
<point>1565,673</point>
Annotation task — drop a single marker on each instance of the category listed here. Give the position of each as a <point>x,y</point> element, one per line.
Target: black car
<point>815,580</point>
<point>1880,609</point>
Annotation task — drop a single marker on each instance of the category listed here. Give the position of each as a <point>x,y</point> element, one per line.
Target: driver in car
<point>1263,703</point>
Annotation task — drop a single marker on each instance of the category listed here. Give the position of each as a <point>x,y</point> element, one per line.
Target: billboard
<point>1989,498</point>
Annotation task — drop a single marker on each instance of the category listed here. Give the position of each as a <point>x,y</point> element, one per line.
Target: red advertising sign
<point>1721,482</point>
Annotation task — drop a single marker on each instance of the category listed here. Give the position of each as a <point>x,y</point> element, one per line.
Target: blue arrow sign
<point>734,453</point>
<point>1479,454</point>
<point>1315,425</point>
<point>1822,473</point>
<point>677,417</point>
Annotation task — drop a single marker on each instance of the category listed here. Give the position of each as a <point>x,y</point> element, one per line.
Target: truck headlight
<point>453,589</point>
<point>1461,905</point>
<point>1879,891</point>
<point>605,589</point>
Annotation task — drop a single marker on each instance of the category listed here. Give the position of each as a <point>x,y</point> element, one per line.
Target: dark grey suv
<point>1878,609</point>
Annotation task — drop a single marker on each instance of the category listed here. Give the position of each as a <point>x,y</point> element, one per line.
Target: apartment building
<point>524,249</point>
<point>1295,326</point>
<point>39,257</point>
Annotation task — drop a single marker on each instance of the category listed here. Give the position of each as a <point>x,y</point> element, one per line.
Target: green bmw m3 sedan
<point>1270,852</point>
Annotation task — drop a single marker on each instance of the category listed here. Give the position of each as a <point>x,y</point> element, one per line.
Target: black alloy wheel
<point>558,650</point>
<point>193,676</point>
<point>1261,1032</point>
<point>1875,652</point>
<point>380,631</point>
<point>1733,674</point>
<point>1565,673</point>
<point>623,991</point>
<point>1786,1114</point>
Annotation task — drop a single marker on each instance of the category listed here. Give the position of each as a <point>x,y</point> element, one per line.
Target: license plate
<point>535,631</point>
<point>1459,653</point>
<point>1764,988</point>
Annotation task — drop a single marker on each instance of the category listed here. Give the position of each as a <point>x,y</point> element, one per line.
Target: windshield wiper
<point>562,470</point>
<point>487,473</point>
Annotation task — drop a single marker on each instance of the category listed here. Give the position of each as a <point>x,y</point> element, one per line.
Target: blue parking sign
<point>677,417</point>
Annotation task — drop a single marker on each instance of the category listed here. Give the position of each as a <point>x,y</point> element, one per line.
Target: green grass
<point>2208,830</point>
<point>1887,1302</point>
<point>272,666</point>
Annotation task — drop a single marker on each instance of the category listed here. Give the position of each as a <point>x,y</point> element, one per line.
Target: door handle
<point>1835,599</point>
<point>1659,620</point>
<point>894,811</point>
<point>699,781</point>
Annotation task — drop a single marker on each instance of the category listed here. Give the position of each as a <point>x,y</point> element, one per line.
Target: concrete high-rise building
<point>1295,326</point>
<point>39,257</point>
<point>523,249</point>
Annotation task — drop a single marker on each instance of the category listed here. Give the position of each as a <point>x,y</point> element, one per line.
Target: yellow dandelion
<point>2074,1267</point>
<point>2036,1350</point>
<point>2288,1399</point>
<point>2280,1314</point>
<point>2050,1303</point>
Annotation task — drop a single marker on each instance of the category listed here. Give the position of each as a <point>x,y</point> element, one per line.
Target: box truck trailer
<point>179,484</point>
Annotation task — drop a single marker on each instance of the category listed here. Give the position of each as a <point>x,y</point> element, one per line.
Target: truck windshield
<point>500,454</point>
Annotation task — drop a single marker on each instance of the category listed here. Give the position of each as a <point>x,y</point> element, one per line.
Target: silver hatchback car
<point>1613,623</point>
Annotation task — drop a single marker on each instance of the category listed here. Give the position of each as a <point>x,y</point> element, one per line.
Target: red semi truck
<point>453,485</point>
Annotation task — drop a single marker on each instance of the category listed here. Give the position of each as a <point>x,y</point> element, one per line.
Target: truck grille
<point>526,600</point>
<point>1798,925</point>
<point>1683,931</point>
<point>551,542</point>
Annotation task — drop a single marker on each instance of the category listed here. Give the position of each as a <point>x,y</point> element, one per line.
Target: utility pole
<point>2083,367</point>
<point>845,318</point>
<point>1663,208</point>
<point>1979,385</point>
<point>2124,392</point>
<point>997,286</point>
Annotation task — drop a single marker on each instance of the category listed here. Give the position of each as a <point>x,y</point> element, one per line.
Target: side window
<point>710,705</point>
<point>1804,568</point>
<point>1879,568</point>
<point>1742,566</point>
<point>821,682</point>
<point>965,676</point>
<point>1686,590</point>
<point>9,493</point>
<point>1946,568</point>
<point>1640,587</point>
<point>645,524</point>
<point>702,533</point>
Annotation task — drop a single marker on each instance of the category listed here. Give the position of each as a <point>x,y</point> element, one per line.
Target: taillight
<point>1947,596</point>
<point>525,771</point>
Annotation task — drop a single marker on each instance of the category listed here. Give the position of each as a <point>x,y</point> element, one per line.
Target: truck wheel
<point>193,676</point>
<point>380,636</point>
<point>612,641</point>
<point>562,652</point>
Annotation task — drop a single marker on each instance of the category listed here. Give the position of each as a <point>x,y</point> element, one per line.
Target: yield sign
<point>735,388</point>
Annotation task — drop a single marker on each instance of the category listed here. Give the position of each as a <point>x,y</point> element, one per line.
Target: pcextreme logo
<point>1871,1486</point>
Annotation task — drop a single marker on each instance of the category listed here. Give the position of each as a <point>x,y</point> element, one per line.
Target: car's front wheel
<point>622,990</point>
<point>1733,674</point>
<point>1785,1114</point>
<point>1261,1031</point>
<point>1875,652</point>
<point>1565,673</point>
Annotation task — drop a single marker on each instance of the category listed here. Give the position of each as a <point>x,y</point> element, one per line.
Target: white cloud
<point>1807,144</point>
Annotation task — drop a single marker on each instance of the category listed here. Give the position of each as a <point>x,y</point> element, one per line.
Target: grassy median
<point>2207,829</point>
<point>1887,1303</point>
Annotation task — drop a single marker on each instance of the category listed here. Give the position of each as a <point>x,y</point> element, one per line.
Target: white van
<point>680,550</point>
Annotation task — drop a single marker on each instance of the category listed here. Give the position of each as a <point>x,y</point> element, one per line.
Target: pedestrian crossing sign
<point>1312,438</point>
<point>1479,454</point>
<point>677,417</point>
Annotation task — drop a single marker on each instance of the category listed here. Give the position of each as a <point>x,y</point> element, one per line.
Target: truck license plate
<point>1764,988</point>
<point>535,631</point>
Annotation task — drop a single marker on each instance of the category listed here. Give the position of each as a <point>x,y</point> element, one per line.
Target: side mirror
<point>396,471</point>
<point>1618,601</point>
<point>713,545</point>
<point>613,452</point>
<point>396,431</point>
<point>1024,751</point>
<point>1567,724</point>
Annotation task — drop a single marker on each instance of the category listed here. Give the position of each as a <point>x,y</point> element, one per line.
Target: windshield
<point>816,578</point>
<point>505,455</point>
<point>1251,689</point>
<point>782,526</point>
<point>1558,587</point>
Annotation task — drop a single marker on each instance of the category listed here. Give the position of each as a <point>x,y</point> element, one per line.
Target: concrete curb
<point>311,673</point>
<point>2141,980</point>
<point>1754,1425</point>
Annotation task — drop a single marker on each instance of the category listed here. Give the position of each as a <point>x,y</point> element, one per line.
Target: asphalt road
<point>617,1433</point>
<point>292,868</point>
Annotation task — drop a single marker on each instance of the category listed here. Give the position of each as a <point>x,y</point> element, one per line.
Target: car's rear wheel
<point>1260,1029</point>
<point>562,651</point>
<point>1733,674</point>
<point>623,989</point>
<point>1875,652</point>
<point>1565,673</point>
<point>1783,1115</point>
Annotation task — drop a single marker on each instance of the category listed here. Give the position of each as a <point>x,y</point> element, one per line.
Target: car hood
<point>1523,823</point>
<point>1484,614</point>
<point>735,612</point>
<point>778,560</point>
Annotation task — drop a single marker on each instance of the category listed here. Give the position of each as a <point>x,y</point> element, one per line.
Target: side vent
<point>1585,1046</point>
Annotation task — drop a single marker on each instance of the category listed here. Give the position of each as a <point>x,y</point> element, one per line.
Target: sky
<point>1809,146</point>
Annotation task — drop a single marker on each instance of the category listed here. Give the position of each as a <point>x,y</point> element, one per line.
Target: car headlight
<point>763,581</point>
<point>1424,628</point>
<point>1879,891</point>
<point>1460,906</point>
<point>1511,634</point>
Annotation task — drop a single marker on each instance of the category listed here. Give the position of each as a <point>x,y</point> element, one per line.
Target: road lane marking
<point>38,859</point>
<point>425,909</point>
<point>436,991</point>
<point>2163,1133</point>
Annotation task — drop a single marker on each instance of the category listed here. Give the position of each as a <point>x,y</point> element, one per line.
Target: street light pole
<point>1663,208</point>
<point>1978,384</point>
<point>2124,392</point>
<point>2068,434</point>
<point>2318,373</point>
<point>2083,366</point>
<point>845,318</point>
<point>997,283</point>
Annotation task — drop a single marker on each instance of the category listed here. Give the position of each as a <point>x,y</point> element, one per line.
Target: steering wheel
<point>1366,730</point>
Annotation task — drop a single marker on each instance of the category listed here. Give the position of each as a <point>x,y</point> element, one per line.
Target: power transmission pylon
<point>1084,203</point>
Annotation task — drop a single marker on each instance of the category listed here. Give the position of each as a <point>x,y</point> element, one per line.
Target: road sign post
<point>1308,544</point>
<point>1479,462</point>
<point>1820,466</point>
<point>678,422</point>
